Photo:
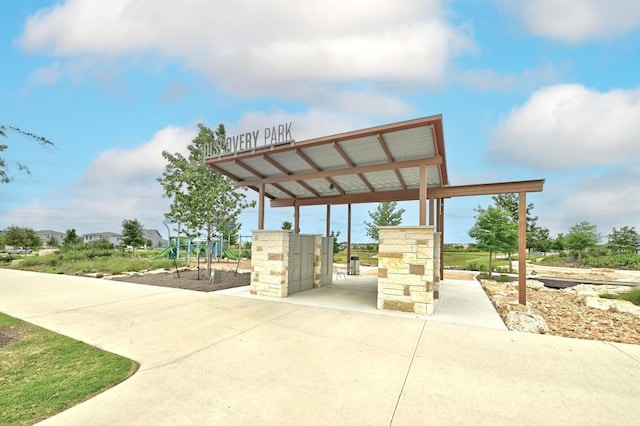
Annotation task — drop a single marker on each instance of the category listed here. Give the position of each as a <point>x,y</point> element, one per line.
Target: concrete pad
<point>217,359</point>
<point>464,375</point>
<point>465,302</point>
<point>307,367</point>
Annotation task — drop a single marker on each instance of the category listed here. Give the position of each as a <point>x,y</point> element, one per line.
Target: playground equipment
<point>164,253</point>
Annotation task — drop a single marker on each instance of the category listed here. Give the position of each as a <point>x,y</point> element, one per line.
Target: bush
<point>632,296</point>
<point>614,261</point>
<point>504,278</point>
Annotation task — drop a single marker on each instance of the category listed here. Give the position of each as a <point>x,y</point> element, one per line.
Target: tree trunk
<point>209,257</point>
<point>490,269</point>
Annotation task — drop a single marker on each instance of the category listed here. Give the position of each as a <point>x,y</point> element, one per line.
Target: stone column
<point>408,269</point>
<point>269,263</point>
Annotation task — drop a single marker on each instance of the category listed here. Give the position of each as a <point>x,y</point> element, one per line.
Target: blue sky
<point>527,89</point>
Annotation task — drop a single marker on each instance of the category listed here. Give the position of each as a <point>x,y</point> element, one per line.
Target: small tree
<point>336,244</point>
<point>133,234</point>
<point>624,240</point>
<point>202,199</point>
<point>541,240</point>
<point>581,236</point>
<point>494,231</point>
<point>286,225</point>
<point>384,215</point>
<point>71,239</point>
<point>22,237</point>
<point>53,242</point>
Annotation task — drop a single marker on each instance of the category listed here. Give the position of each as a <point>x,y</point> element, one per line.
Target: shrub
<point>632,296</point>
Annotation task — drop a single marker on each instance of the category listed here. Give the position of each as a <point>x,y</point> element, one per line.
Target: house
<point>47,234</point>
<point>155,237</point>
<point>112,237</point>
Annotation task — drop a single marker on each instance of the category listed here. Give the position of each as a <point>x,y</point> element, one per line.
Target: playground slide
<point>163,253</point>
<point>229,254</point>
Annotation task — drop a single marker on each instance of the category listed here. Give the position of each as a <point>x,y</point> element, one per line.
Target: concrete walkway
<point>221,359</point>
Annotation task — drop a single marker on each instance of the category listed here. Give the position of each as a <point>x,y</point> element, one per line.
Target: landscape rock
<point>534,284</point>
<point>608,304</point>
<point>566,314</point>
<point>527,322</point>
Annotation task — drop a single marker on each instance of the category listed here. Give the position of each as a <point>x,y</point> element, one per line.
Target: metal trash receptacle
<point>354,265</point>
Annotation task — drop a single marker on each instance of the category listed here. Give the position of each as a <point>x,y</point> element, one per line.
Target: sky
<point>535,89</point>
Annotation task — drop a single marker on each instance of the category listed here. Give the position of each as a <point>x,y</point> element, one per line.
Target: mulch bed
<point>189,280</point>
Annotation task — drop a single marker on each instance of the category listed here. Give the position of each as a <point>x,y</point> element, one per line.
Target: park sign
<point>242,142</point>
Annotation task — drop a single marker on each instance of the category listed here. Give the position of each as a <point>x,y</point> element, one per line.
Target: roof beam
<point>341,172</point>
<point>261,176</point>
<point>315,167</point>
<point>286,172</point>
<point>350,163</point>
<point>385,148</point>
<point>413,194</point>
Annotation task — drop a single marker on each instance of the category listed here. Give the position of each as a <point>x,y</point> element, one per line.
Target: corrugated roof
<point>371,163</point>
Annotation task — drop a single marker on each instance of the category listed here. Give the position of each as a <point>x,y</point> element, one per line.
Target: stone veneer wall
<point>408,269</point>
<point>269,263</point>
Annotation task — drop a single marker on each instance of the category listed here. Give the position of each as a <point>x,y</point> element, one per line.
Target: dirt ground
<point>194,279</point>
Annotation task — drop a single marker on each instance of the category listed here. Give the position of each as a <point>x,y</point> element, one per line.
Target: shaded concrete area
<point>221,359</point>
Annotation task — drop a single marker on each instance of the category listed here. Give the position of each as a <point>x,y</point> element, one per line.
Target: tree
<point>384,215</point>
<point>494,231</point>
<point>53,242</point>
<point>581,236</point>
<point>133,234</point>
<point>286,225</point>
<point>4,174</point>
<point>557,244</point>
<point>511,204</point>
<point>336,244</point>
<point>25,238</point>
<point>541,240</point>
<point>71,238</point>
<point>624,240</point>
<point>206,202</point>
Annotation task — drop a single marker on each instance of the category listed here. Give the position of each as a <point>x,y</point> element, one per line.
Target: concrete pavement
<point>211,358</point>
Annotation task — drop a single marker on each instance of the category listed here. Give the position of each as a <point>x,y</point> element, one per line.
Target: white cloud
<point>607,200</point>
<point>577,21</point>
<point>270,47</point>
<point>569,126</point>
<point>120,184</point>
<point>114,166</point>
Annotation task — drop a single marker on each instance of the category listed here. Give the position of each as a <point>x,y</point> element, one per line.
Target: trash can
<point>354,265</point>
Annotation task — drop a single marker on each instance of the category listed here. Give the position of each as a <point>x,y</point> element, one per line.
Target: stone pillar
<point>269,263</point>
<point>408,269</point>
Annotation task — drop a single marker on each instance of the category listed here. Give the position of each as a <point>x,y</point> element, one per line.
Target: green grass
<point>366,257</point>
<point>474,260</point>
<point>632,296</point>
<point>43,373</point>
<point>56,264</point>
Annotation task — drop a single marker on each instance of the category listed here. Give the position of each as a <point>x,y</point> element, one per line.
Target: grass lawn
<point>472,260</point>
<point>43,373</point>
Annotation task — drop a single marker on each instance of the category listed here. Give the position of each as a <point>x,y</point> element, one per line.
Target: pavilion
<point>393,162</point>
